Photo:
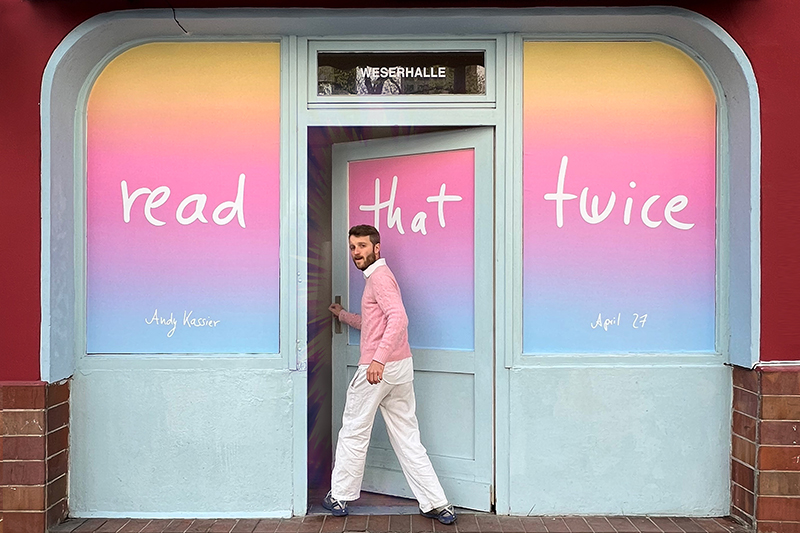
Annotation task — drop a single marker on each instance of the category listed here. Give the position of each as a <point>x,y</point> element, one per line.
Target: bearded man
<point>384,379</point>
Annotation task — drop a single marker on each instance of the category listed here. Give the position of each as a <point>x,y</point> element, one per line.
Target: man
<point>383,379</point>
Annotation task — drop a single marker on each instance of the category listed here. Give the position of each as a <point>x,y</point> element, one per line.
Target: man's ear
<point>378,251</point>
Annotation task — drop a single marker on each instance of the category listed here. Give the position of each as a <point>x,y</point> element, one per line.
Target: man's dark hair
<point>365,230</point>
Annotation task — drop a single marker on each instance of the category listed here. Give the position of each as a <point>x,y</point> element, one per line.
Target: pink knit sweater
<point>383,321</point>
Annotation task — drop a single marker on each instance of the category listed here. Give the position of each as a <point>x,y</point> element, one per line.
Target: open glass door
<point>431,198</point>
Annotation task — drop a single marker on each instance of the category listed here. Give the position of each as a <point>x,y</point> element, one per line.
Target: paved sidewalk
<point>467,523</point>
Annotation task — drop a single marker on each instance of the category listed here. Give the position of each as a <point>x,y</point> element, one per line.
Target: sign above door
<point>395,73</point>
<point>402,71</point>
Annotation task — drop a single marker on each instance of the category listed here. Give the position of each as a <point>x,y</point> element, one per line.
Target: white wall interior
<point>620,440</point>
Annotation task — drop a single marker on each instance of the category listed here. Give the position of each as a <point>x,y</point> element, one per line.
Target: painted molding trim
<point>776,366</point>
<point>88,48</point>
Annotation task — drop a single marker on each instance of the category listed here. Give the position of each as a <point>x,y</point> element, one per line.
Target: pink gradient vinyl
<point>636,120</point>
<point>434,267</point>
<point>173,132</point>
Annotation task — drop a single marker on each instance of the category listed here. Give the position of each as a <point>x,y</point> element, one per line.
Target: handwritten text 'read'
<point>188,321</point>
<point>195,204</point>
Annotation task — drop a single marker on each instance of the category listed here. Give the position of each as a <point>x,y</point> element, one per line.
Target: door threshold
<point>373,504</point>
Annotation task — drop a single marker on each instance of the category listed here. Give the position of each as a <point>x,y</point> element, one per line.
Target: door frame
<point>501,73</point>
<point>478,362</point>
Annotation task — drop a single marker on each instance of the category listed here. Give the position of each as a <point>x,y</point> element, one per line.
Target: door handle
<point>337,325</point>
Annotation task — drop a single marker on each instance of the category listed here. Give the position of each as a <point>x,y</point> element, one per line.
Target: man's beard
<point>368,260</point>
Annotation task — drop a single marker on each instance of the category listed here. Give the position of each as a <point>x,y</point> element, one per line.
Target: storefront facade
<point>570,199</point>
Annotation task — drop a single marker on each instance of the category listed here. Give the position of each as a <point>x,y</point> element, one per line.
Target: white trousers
<point>398,406</point>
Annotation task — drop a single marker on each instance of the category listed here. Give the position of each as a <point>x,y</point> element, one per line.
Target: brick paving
<point>466,523</point>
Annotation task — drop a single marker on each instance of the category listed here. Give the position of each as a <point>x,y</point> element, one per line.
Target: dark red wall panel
<point>773,47</point>
<point>28,35</point>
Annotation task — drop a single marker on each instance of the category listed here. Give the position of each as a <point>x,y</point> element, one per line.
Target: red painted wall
<point>30,31</point>
<point>763,31</point>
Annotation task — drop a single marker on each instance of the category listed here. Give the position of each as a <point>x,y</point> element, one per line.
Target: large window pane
<point>619,199</point>
<point>183,200</point>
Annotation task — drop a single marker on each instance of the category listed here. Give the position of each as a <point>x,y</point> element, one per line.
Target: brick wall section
<point>778,496</point>
<point>744,443</point>
<point>35,451</point>
<point>765,449</point>
<point>2,477</point>
<point>57,446</point>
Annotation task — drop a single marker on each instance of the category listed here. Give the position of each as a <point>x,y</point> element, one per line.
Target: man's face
<point>363,252</point>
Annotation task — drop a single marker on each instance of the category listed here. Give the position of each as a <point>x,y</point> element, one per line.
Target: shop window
<point>620,174</point>
<point>182,202</point>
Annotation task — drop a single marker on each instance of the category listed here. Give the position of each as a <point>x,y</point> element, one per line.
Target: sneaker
<point>445,515</point>
<point>336,507</point>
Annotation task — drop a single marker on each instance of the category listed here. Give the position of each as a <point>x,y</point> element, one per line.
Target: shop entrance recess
<point>430,195</point>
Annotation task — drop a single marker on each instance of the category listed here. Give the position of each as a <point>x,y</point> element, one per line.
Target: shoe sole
<point>436,517</point>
